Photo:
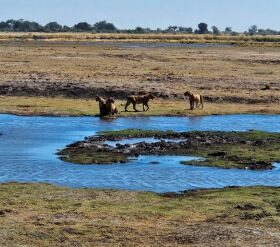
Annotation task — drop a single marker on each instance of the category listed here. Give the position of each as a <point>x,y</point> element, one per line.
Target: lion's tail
<point>201,100</point>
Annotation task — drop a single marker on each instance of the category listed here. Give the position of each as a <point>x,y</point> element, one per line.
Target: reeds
<point>176,38</point>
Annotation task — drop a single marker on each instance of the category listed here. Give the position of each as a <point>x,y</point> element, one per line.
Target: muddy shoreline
<point>216,148</point>
<point>79,91</point>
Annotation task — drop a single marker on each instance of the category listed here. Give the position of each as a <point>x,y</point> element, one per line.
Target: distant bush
<point>202,28</point>
<point>185,30</point>
<point>82,26</point>
<point>107,27</point>
<point>21,26</point>
<point>104,26</point>
<point>216,30</point>
<point>53,27</point>
<point>253,30</point>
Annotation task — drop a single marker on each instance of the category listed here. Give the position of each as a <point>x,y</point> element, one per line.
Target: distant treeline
<point>106,27</point>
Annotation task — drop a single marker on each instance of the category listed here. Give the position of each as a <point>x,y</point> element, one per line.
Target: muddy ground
<point>81,70</point>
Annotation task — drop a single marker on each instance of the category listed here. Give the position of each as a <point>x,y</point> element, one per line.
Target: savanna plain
<point>59,77</point>
<point>62,77</point>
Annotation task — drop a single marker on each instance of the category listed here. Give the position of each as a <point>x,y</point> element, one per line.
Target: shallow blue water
<point>149,44</point>
<point>169,45</point>
<point>28,146</point>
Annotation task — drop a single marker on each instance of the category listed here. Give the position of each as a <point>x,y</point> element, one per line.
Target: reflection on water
<point>28,146</point>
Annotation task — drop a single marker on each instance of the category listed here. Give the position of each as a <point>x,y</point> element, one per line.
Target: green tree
<point>171,29</point>
<point>11,24</point>
<point>216,30</point>
<point>253,30</point>
<point>53,27</point>
<point>104,26</point>
<point>26,26</point>
<point>202,28</point>
<point>267,32</point>
<point>82,26</point>
<point>4,26</point>
<point>139,30</point>
<point>228,30</point>
<point>66,29</point>
<point>185,29</point>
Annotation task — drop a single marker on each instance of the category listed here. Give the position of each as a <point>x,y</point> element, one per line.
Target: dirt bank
<point>74,90</point>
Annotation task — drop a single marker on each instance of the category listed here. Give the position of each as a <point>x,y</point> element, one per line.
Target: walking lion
<point>142,99</point>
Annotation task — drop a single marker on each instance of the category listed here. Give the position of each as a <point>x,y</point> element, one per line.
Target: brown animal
<point>142,99</point>
<point>102,106</point>
<point>106,107</point>
<point>110,107</point>
<point>196,100</point>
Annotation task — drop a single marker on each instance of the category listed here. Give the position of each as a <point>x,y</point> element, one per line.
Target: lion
<point>102,105</point>
<point>110,107</point>
<point>143,99</point>
<point>107,107</point>
<point>196,100</point>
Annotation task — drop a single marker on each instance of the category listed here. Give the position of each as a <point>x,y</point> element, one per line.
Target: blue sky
<point>238,14</point>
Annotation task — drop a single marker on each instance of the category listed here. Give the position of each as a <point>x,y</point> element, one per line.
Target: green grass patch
<point>100,158</point>
<point>47,215</point>
<point>241,156</point>
<point>135,133</point>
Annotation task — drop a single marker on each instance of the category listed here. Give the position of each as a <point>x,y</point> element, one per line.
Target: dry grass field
<point>241,39</point>
<point>224,75</point>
